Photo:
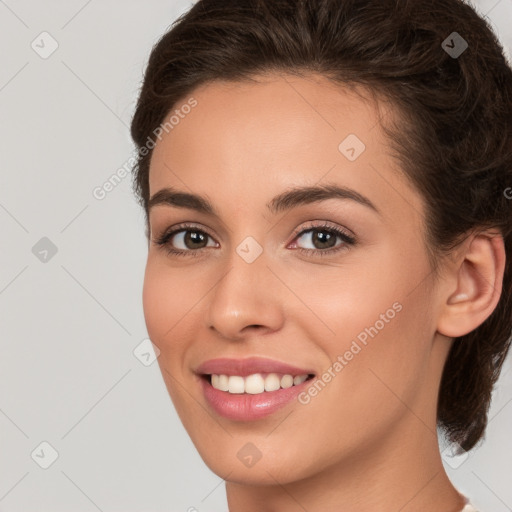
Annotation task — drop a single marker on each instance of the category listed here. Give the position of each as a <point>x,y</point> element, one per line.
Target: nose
<point>247,299</point>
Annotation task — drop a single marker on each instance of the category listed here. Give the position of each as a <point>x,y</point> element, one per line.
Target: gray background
<point>69,325</point>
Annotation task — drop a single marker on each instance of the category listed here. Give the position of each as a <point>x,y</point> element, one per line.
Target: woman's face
<point>269,278</point>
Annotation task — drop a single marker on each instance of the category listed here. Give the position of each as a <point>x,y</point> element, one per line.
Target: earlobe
<point>478,282</point>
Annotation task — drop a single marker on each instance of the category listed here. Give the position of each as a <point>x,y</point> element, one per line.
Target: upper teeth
<point>255,383</point>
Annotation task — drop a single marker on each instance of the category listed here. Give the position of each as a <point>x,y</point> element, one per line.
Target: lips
<point>229,401</point>
<point>249,366</point>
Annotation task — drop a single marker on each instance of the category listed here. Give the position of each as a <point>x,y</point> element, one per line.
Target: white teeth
<point>272,382</point>
<point>223,382</point>
<point>286,381</point>
<point>255,383</point>
<point>299,379</point>
<point>220,382</point>
<point>236,384</point>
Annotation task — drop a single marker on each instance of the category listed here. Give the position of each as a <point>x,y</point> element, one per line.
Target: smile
<point>255,383</point>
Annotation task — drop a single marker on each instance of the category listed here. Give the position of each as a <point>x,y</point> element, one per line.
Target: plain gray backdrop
<point>86,423</point>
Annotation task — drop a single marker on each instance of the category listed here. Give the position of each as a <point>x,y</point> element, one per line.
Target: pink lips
<point>248,407</point>
<point>244,367</point>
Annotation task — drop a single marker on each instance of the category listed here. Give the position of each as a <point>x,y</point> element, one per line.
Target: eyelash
<point>348,240</point>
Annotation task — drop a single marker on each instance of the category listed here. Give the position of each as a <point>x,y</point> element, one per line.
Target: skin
<point>368,440</point>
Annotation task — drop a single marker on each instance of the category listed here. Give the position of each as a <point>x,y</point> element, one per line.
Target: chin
<point>240,460</point>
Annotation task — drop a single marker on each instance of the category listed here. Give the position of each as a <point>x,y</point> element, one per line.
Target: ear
<point>473,284</point>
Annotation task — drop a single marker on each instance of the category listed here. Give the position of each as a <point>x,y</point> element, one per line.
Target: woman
<point>327,193</point>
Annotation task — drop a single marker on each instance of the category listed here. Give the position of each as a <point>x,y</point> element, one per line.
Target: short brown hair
<point>454,141</point>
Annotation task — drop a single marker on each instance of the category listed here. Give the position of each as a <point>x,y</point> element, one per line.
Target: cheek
<point>346,300</point>
<point>166,303</point>
<point>375,316</point>
<point>154,302</point>
<point>386,356</point>
<point>164,300</point>
<point>376,381</point>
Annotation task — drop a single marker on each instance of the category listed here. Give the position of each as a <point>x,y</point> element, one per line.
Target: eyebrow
<point>287,200</point>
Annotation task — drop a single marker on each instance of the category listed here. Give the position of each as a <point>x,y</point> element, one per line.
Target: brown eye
<point>322,240</point>
<point>187,239</point>
<point>191,239</point>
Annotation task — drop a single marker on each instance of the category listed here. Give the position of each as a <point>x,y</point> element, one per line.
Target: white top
<point>468,507</point>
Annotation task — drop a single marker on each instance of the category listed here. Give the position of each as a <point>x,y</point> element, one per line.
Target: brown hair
<point>454,139</point>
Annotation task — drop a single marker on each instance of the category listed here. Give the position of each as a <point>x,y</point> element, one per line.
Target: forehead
<point>259,108</point>
<point>275,131</point>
